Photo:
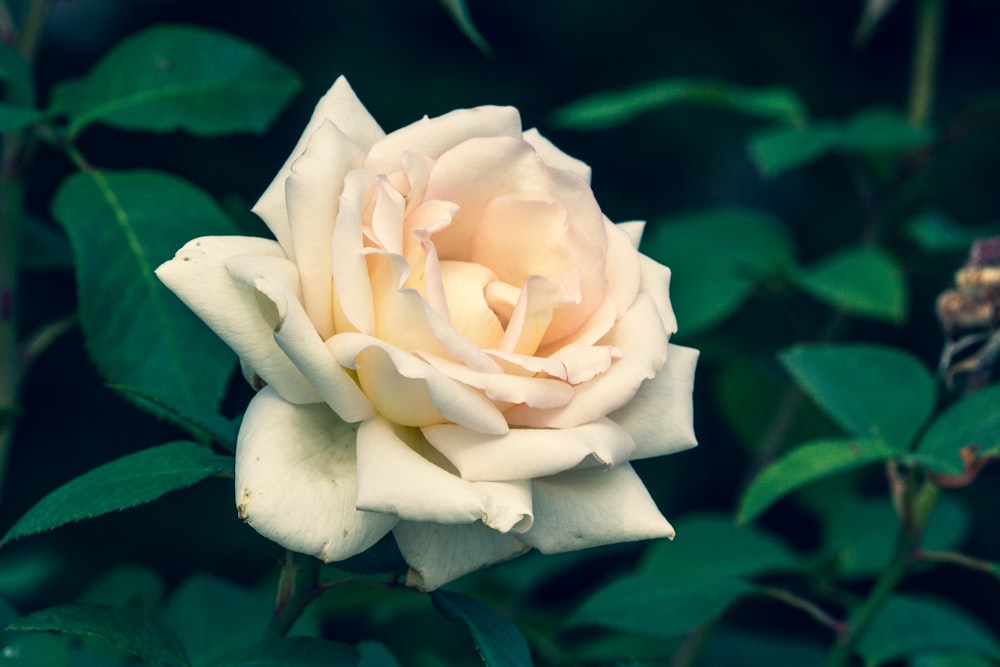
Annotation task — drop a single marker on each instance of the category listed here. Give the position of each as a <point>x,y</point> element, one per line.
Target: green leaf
<point>910,625</point>
<point>127,629</point>
<point>43,246</point>
<point>13,118</point>
<point>659,605</point>
<point>859,531</point>
<point>868,282</point>
<point>126,482</point>
<point>122,225</point>
<point>611,108</point>
<point>871,131</point>
<point>807,463</point>
<point>935,232</point>
<point>459,12</point>
<point>871,391</point>
<point>711,546</point>
<point>718,257</point>
<point>972,421</point>
<point>215,618</point>
<point>499,643</point>
<point>181,77</point>
<point>950,660</point>
<point>198,421</point>
<point>35,650</point>
<point>292,652</point>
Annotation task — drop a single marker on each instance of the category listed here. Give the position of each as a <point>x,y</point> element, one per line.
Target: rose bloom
<point>454,344</point>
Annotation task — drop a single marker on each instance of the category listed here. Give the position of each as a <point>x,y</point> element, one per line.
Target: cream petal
<point>404,318</point>
<point>438,554</point>
<point>410,391</point>
<point>527,365</point>
<point>518,238</point>
<point>355,308</point>
<point>230,307</point>
<point>399,473</point>
<point>526,453</point>
<point>434,136</point>
<point>661,416</point>
<point>387,216</point>
<point>585,362</point>
<point>534,391</point>
<point>465,291</point>
<point>593,506</point>
<point>313,203</point>
<point>634,229</point>
<point>622,269</point>
<point>295,335</point>
<point>643,344</point>
<point>554,157</point>
<point>593,330</point>
<point>479,170</point>
<point>341,107</point>
<point>296,479</point>
<point>533,313</point>
<point>656,283</point>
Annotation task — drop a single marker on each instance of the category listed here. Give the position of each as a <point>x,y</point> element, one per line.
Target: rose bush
<point>453,343</point>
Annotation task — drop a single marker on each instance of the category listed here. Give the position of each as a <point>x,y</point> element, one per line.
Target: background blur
<point>407,58</point>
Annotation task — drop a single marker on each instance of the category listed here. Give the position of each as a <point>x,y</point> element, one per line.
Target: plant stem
<point>889,579</point>
<point>819,615</point>
<point>297,587</point>
<point>927,42</point>
<point>956,558</point>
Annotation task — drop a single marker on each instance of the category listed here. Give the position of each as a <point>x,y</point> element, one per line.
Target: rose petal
<point>634,229</point>
<point>554,157</point>
<point>341,107</point>
<point>477,171</point>
<point>296,479</point>
<point>295,334</point>
<point>529,453</point>
<point>399,473</point>
<point>622,269</point>
<point>434,136</point>
<point>354,307</point>
<point>533,313</point>
<point>593,330</point>
<point>590,507</point>
<point>438,554</point>
<point>410,391</point>
<point>660,416</point>
<point>404,318</point>
<point>504,388</point>
<point>198,275</point>
<point>558,248</point>
<point>643,344</point>
<point>465,290</point>
<point>656,284</point>
<point>312,210</point>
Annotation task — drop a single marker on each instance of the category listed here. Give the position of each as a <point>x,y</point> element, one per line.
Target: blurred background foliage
<point>785,236</point>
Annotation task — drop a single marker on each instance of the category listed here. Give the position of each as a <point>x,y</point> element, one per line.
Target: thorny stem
<point>839,627</point>
<point>17,148</point>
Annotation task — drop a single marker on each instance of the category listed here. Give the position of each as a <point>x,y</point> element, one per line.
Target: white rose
<point>457,346</point>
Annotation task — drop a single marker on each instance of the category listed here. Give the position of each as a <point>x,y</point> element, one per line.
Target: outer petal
<point>623,269</point>
<point>400,474</point>
<point>434,136</point>
<point>660,416</point>
<point>341,107</point>
<point>410,391</point>
<point>438,554</point>
<point>312,194</point>
<point>529,453</point>
<point>295,334</point>
<point>296,479</point>
<point>656,284</point>
<point>198,275</point>
<point>587,508</point>
<point>643,343</point>
<point>554,157</point>
<point>634,229</point>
